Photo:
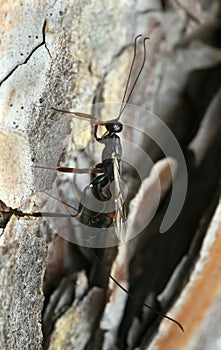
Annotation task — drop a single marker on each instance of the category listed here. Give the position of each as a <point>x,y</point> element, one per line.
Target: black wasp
<point>109,169</point>
<point>102,175</point>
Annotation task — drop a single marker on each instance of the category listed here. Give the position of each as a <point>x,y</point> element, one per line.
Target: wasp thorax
<point>114,126</point>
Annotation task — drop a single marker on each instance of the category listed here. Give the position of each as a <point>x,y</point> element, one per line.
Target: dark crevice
<point>30,55</point>
<point>164,4</point>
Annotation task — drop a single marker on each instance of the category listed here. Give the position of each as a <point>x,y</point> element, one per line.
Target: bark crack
<point>43,43</point>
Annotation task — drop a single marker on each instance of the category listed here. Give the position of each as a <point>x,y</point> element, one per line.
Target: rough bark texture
<point>73,54</point>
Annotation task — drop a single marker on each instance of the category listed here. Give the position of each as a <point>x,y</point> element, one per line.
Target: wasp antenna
<point>130,72</point>
<point>124,103</point>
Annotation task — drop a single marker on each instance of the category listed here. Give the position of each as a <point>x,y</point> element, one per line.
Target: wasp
<point>103,174</point>
<point>108,171</point>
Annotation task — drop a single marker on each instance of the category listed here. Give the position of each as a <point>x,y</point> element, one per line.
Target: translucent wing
<point>119,208</point>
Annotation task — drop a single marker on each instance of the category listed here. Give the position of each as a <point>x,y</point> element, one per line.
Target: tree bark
<point>74,55</point>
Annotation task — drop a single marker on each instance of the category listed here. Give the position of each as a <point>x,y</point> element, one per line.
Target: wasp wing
<point>119,208</point>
